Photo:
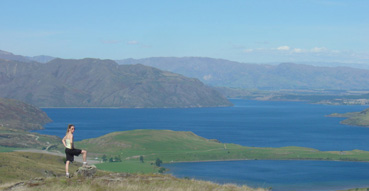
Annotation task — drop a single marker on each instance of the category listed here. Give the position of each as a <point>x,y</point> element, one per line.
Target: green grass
<point>172,146</point>
<point>24,165</point>
<point>8,149</point>
<point>128,167</point>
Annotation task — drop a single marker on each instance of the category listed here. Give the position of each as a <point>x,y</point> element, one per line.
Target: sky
<point>250,31</point>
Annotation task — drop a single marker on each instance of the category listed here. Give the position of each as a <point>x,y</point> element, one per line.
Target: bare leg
<point>84,152</point>
<point>67,167</point>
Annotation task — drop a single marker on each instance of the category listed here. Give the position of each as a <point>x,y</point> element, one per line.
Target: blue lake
<point>249,123</point>
<point>279,175</point>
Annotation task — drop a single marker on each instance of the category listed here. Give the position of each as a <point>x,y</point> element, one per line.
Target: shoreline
<point>230,160</point>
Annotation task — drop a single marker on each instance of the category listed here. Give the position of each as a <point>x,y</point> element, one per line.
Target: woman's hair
<point>69,126</point>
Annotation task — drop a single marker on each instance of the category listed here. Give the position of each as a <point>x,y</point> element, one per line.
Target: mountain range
<point>102,83</point>
<point>225,73</point>
<point>10,56</point>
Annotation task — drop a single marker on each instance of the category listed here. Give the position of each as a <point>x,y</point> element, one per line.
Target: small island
<point>354,118</point>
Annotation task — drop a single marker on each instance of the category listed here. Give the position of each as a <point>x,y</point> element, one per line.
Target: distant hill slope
<point>102,83</point>
<point>16,119</point>
<point>219,72</point>
<point>18,115</point>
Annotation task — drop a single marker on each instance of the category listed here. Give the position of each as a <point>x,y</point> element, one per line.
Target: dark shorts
<point>70,153</point>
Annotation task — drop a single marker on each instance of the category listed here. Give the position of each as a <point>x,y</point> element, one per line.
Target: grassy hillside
<point>354,118</point>
<point>171,146</point>
<point>18,115</point>
<point>23,166</point>
<point>41,172</point>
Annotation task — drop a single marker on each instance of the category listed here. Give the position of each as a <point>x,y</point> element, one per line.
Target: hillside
<point>354,118</point>
<point>18,115</point>
<point>102,83</point>
<point>23,166</point>
<point>16,119</point>
<point>225,73</point>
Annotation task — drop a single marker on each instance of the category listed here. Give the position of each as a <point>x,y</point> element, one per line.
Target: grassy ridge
<point>171,146</point>
<point>24,165</point>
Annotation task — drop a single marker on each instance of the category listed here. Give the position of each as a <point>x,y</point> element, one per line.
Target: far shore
<point>225,160</point>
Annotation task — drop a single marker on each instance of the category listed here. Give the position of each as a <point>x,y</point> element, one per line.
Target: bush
<point>162,170</point>
<point>158,162</point>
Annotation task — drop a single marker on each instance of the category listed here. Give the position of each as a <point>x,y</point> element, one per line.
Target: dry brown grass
<point>116,182</point>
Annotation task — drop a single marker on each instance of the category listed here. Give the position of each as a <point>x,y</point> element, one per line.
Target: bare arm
<point>72,141</point>
<point>63,140</point>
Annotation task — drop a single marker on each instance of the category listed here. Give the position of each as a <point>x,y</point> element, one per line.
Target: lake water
<point>280,175</point>
<point>249,123</point>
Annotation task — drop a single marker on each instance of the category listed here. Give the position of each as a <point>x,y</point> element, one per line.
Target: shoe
<point>67,175</point>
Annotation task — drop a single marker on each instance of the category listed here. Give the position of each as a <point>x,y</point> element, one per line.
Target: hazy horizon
<point>242,31</point>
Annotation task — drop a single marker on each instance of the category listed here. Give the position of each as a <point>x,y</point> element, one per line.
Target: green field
<point>174,146</point>
<point>128,166</point>
<point>8,149</point>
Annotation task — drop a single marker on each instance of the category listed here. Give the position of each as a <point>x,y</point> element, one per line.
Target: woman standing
<point>70,151</point>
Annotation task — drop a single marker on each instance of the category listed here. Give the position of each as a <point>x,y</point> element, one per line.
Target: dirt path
<point>78,159</point>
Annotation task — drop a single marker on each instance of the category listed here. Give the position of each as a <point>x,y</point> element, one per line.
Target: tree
<point>158,162</point>
<point>104,158</point>
<point>117,159</point>
<point>142,159</point>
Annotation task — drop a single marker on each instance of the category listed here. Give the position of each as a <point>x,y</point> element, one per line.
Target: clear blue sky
<point>246,31</point>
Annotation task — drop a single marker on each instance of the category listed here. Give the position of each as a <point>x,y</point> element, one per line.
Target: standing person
<point>70,151</point>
